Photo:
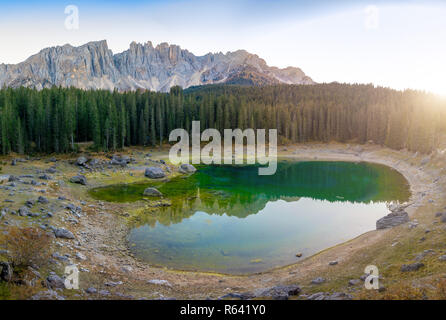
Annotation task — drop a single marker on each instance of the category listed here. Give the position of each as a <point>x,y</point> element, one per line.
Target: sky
<point>398,44</point>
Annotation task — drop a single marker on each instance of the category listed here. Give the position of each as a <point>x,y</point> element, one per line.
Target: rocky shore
<point>51,194</point>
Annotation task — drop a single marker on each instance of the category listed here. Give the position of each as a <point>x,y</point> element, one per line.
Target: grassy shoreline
<point>102,233</point>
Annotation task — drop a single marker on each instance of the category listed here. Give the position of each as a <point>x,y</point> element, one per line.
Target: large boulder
<point>152,192</point>
<point>187,168</point>
<point>154,173</point>
<point>80,179</point>
<point>393,219</point>
<point>81,161</point>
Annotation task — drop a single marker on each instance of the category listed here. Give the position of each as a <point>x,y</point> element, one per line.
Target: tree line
<point>55,120</point>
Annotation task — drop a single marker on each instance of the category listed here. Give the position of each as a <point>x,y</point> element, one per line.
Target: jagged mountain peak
<point>143,66</point>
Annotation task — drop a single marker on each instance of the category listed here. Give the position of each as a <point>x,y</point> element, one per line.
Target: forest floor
<point>101,251</point>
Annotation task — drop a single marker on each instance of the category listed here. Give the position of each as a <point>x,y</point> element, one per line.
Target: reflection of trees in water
<point>240,191</point>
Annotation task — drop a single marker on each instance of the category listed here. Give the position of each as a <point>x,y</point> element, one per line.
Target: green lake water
<point>229,219</point>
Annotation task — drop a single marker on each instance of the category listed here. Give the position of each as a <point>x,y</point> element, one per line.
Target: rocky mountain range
<point>142,66</point>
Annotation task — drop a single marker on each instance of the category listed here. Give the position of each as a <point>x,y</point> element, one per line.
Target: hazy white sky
<point>400,44</point>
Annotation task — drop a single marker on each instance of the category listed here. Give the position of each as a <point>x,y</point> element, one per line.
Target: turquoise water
<point>228,219</point>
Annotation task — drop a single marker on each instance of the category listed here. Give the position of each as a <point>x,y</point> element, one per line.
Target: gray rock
<point>63,233</point>
<point>393,219</point>
<point>53,281</point>
<point>127,269</point>
<point>29,203</point>
<point>235,296</point>
<point>339,296</point>
<point>187,168</point>
<point>411,267</point>
<point>279,292</point>
<point>80,256</point>
<point>318,280</point>
<point>154,173</point>
<point>45,177</point>
<point>57,256</point>
<point>81,161</point>
<point>113,283</point>
<point>330,296</point>
<point>159,282</point>
<point>141,66</point>
<point>91,290</point>
<point>6,271</point>
<point>51,170</point>
<point>333,263</point>
<point>421,255</point>
<point>42,200</point>
<point>80,179</point>
<point>104,292</point>
<point>47,295</point>
<point>152,192</point>
<point>23,211</point>
<point>442,258</point>
<point>354,282</point>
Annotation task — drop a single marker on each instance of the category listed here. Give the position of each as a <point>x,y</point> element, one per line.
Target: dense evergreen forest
<point>54,120</point>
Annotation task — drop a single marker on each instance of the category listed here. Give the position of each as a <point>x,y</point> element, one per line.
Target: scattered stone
<point>354,282</point>
<point>42,200</point>
<point>159,282</point>
<point>187,168</point>
<point>413,224</point>
<point>104,292</point>
<point>80,179</point>
<point>393,219</point>
<point>29,203</point>
<point>51,170</point>
<point>279,292</point>
<point>81,256</point>
<point>318,280</point>
<point>152,192</point>
<point>47,295</point>
<point>299,254</point>
<point>424,253</point>
<point>442,258</point>
<point>63,233</point>
<point>45,177</point>
<point>113,284</point>
<point>81,161</point>
<point>91,290</point>
<point>6,271</point>
<point>127,269</point>
<point>57,256</point>
<point>332,263</point>
<point>411,267</point>
<point>23,211</point>
<point>154,173</point>
<point>234,295</point>
<point>328,296</point>
<point>53,281</point>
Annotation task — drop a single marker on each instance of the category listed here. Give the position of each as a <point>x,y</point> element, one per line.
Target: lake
<point>228,219</point>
